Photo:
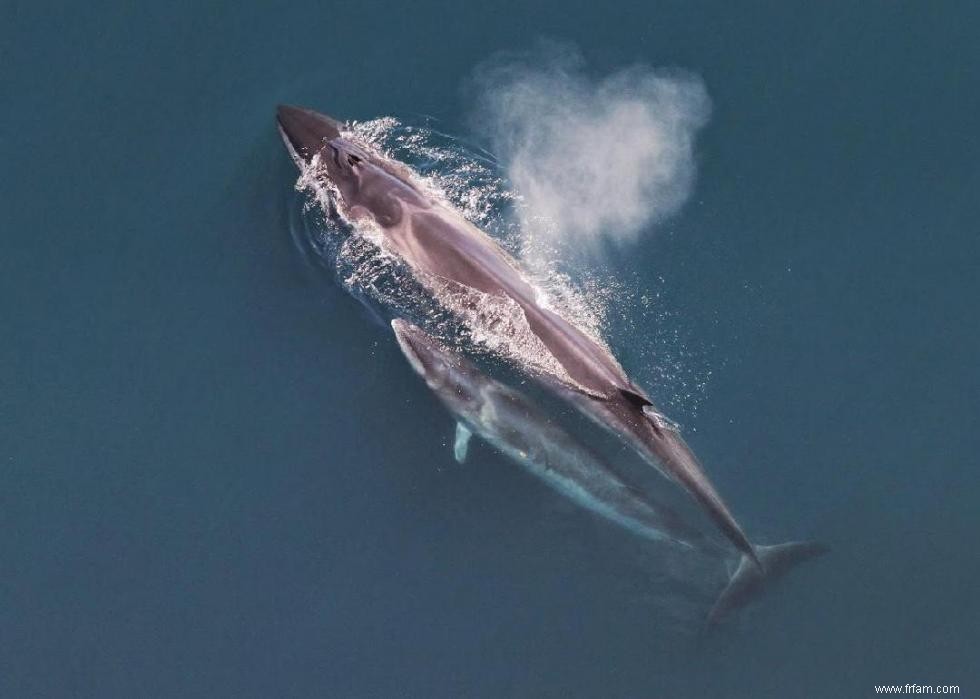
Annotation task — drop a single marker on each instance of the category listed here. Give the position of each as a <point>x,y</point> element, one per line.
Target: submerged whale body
<point>512,424</point>
<point>465,268</point>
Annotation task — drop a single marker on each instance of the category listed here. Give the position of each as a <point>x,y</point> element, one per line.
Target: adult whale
<point>452,257</point>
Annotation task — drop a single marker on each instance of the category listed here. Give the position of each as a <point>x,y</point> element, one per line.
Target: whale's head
<point>310,136</point>
<point>430,359</point>
<point>457,382</point>
<point>305,132</point>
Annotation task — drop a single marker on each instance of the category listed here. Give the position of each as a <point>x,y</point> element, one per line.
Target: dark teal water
<point>219,478</point>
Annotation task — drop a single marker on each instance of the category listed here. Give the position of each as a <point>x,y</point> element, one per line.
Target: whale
<point>457,261</point>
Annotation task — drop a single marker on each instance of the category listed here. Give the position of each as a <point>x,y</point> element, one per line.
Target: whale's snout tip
<point>304,130</point>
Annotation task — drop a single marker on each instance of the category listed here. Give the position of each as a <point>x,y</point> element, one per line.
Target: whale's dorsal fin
<point>634,398</point>
<point>644,405</point>
<point>461,446</point>
<point>659,421</point>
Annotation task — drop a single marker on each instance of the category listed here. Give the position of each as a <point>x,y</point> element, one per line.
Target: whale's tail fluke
<point>750,580</point>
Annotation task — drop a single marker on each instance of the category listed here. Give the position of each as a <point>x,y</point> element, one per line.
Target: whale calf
<point>465,267</point>
<point>508,421</point>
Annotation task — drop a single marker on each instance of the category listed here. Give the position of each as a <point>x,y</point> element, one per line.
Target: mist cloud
<point>596,161</point>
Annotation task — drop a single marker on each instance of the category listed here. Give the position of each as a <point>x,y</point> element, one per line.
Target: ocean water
<point>220,478</point>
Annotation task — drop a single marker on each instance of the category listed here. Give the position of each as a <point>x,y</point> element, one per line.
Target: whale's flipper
<point>462,445</point>
<point>748,581</point>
